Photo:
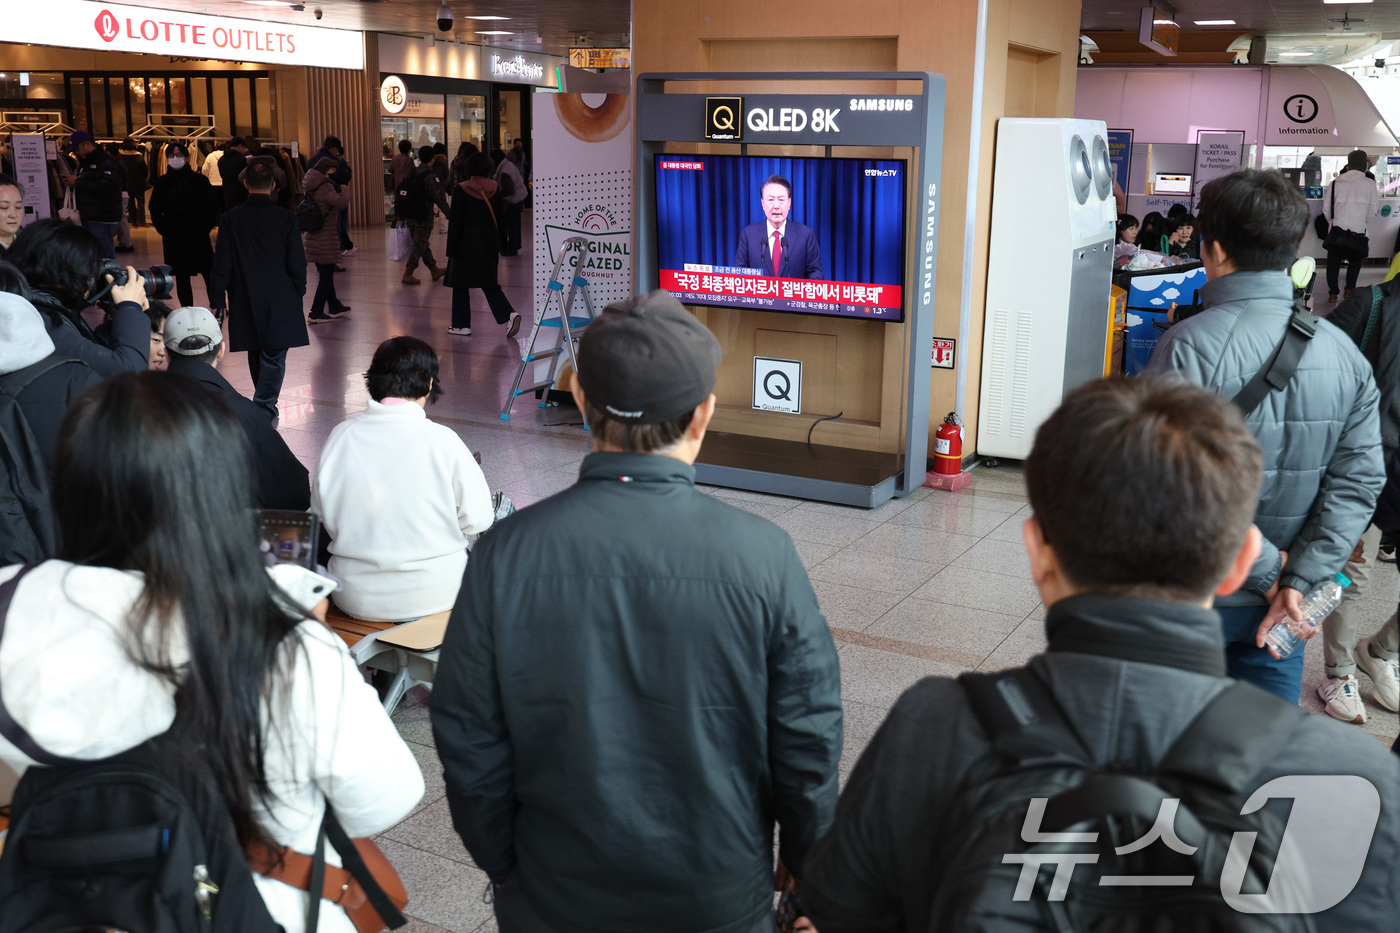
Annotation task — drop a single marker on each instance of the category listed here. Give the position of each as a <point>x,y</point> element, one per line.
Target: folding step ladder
<point>568,325</point>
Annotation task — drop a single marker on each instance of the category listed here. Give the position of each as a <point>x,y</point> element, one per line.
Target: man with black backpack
<point>1307,395</point>
<point>1101,786</point>
<point>37,385</point>
<point>421,190</point>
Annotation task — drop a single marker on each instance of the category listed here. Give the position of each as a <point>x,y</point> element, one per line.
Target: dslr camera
<point>159,283</point>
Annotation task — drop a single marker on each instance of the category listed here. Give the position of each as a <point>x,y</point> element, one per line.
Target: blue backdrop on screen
<point>858,218</point>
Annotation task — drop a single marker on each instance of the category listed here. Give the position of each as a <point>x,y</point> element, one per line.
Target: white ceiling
<point>1334,33</point>
<point>549,26</point>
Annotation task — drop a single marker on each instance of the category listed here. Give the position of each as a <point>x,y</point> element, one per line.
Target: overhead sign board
<point>514,66</point>
<point>777,384</point>
<point>600,58</point>
<point>1300,110</point>
<point>786,119</point>
<point>81,24</point>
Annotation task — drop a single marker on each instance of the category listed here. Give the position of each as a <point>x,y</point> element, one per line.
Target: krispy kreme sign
<point>113,27</point>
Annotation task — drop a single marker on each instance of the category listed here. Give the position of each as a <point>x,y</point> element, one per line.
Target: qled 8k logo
<point>107,25</point>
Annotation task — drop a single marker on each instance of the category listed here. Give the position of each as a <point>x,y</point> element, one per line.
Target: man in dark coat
<point>621,765</point>
<point>137,176</point>
<point>195,345</point>
<point>261,267</point>
<point>184,208</point>
<point>231,166</point>
<point>474,249</point>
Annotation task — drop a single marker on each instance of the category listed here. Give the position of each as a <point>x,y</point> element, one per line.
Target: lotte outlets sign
<point>114,27</point>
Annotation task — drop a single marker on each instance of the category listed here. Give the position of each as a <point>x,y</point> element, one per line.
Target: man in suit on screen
<point>778,246</point>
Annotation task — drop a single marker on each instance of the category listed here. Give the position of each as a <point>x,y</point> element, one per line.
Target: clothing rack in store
<point>180,127</point>
<point>48,122</point>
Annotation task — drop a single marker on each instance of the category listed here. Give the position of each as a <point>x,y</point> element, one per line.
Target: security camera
<point>444,18</point>
<point>318,12</point>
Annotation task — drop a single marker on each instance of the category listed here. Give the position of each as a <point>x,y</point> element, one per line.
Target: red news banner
<point>761,291</point>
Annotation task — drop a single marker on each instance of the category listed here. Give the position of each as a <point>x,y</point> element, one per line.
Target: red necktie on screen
<point>777,252</point>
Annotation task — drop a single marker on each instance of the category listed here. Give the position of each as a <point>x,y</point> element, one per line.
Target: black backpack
<point>131,843</point>
<point>411,200</point>
<point>1038,755</point>
<point>309,216</point>
<point>27,530</point>
<point>506,182</point>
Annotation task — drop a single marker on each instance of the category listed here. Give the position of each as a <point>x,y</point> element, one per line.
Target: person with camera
<point>99,184</point>
<point>66,272</point>
<point>260,277</point>
<point>158,619</point>
<point>184,208</point>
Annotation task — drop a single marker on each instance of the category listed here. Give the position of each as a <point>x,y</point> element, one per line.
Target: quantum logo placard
<point>724,118</point>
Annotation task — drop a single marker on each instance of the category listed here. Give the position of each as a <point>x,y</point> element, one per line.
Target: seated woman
<point>1126,244</point>
<point>63,265</point>
<point>399,494</point>
<point>158,617</point>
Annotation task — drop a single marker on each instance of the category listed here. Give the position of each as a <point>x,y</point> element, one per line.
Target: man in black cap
<point>636,681</point>
<point>99,185</point>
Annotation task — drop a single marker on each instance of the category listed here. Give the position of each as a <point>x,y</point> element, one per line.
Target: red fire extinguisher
<point>947,446</point>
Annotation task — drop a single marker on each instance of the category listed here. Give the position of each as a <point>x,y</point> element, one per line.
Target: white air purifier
<point>1048,276</point>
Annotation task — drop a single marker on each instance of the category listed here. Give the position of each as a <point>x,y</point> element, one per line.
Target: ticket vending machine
<point>1048,275</point>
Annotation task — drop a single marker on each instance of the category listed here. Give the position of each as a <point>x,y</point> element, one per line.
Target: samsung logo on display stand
<point>903,104</point>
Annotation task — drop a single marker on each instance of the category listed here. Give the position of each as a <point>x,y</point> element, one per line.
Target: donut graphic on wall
<point>593,124</point>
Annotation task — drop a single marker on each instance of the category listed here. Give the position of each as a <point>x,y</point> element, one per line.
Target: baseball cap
<point>79,136</point>
<point>646,359</point>
<point>184,323</point>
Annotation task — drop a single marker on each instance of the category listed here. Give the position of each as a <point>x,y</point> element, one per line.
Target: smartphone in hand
<point>288,537</point>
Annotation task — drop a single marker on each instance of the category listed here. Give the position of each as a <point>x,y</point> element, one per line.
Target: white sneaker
<point>1342,697</point>
<point>1385,675</point>
<point>513,327</point>
<point>460,331</point>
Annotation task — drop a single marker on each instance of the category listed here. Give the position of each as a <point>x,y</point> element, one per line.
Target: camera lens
<point>160,284</point>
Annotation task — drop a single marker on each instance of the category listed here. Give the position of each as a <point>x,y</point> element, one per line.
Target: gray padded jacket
<point>1320,434</point>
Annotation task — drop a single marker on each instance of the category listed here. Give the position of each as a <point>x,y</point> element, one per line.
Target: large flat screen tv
<point>803,235</point>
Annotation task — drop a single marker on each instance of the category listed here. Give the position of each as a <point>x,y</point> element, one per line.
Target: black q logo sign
<point>724,123</point>
<point>785,392</point>
<point>1300,108</point>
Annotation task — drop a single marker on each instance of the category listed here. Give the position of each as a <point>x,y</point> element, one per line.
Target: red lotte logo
<point>107,26</point>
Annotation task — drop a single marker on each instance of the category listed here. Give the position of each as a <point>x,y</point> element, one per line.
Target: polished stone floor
<point>932,584</point>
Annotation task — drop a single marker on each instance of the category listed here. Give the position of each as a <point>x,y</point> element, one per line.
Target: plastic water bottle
<point>1321,601</point>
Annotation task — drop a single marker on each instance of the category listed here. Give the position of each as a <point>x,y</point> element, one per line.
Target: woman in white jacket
<point>159,591</point>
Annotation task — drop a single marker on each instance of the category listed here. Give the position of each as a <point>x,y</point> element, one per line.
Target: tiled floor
<point>932,584</point>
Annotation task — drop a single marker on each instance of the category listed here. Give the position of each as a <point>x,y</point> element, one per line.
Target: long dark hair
<point>153,475</point>
<point>58,258</point>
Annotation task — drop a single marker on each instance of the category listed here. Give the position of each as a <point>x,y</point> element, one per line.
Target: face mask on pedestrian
<point>175,162</point>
